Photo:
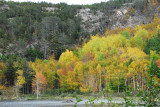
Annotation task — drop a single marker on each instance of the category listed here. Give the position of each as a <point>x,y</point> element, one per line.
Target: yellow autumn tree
<point>19,81</point>
<point>67,75</point>
<point>39,81</point>
<point>2,76</point>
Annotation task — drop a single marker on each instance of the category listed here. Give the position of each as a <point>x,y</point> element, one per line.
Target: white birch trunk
<point>134,83</point>
<point>100,85</point>
<point>37,88</point>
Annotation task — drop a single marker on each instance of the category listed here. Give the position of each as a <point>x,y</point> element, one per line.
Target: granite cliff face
<point>126,16</point>
<point>90,20</point>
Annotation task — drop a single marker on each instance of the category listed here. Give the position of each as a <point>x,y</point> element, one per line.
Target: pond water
<point>48,103</point>
<point>35,103</point>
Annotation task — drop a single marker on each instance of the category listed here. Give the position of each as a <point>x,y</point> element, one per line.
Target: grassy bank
<point>62,96</point>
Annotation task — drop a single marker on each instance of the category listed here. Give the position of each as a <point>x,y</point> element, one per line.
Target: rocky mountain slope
<point>128,15</point>
<point>43,29</point>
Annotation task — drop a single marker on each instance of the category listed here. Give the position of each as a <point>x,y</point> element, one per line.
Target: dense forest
<point>62,57</point>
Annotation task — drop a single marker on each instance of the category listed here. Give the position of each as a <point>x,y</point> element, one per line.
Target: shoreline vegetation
<point>63,96</point>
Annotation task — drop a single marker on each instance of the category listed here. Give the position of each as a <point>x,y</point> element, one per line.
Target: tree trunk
<point>100,85</point>
<point>27,89</point>
<point>23,90</point>
<point>37,88</point>
<point>16,92</point>
<point>45,52</point>
<point>142,84</point>
<point>134,83</point>
<point>118,84</point>
<point>126,84</point>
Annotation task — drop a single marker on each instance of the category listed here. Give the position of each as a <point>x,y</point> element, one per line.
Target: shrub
<point>132,11</point>
<point>52,92</point>
<point>126,34</point>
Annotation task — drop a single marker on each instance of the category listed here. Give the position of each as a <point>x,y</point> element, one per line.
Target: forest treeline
<point>117,59</point>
